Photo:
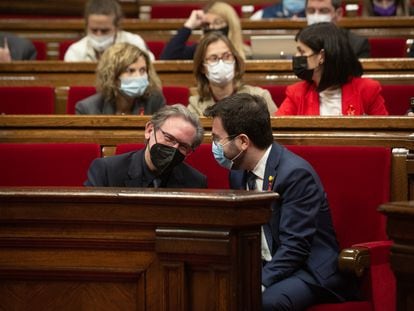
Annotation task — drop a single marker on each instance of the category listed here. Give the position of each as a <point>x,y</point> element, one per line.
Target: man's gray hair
<point>335,3</point>
<point>179,110</point>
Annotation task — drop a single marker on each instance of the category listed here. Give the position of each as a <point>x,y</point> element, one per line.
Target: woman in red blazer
<point>332,77</point>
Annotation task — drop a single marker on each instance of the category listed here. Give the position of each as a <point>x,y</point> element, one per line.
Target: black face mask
<point>300,68</point>
<point>165,158</point>
<point>224,30</point>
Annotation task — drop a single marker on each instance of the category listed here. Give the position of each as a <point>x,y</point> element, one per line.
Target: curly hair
<point>115,61</point>
<point>199,69</point>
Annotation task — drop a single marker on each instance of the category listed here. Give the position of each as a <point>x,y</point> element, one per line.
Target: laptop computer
<point>273,46</point>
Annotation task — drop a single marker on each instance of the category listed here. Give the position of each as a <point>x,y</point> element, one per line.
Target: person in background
<point>126,83</point>
<point>172,134</point>
<point>299,247</point>
<point>282,9</point>
<point>102,19</point>
<point>218,69</point>
<point>318,11</point>
<point>216,16</point>
<point>15,48</point>
<point>384,8</point>
<point>332,77</point>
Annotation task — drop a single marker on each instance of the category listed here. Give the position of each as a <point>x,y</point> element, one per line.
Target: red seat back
<point>46,164</point>
<point>357,181</point>
<point>176,94</point>
<point>388,47</point>
<point>397,98</point>
<point>202,159</point>
<point>63,47</point>
<point>277,92</point>
<point>173,10</point>
<point>156,47</point>
<point>41,49</point>
<point>77,93</point>
<point>27,100</point>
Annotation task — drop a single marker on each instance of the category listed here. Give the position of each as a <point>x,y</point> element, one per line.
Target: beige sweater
<point>198,107</point>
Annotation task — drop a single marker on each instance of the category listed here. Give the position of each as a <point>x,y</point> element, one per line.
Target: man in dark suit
<point>15,48</point>
<point>318,11</point>
<point>299,246</point>
<point>171,134</point>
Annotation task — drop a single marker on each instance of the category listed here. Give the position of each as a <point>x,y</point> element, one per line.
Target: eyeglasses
<point>170,140</point>
<point>227,58</point>
<point>217,140</point>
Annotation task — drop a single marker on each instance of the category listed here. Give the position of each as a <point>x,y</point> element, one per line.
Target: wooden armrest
<point>354,260</point>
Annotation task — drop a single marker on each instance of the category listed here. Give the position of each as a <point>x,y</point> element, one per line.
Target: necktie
<point>251,181</point>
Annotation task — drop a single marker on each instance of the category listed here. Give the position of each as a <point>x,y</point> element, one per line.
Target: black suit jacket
<point>300,233</point>
<point>20,48</point>
<point>126,170</point>
<point>359,45</point>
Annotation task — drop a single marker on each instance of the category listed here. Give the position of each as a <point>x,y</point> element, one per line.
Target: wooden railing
<point>54,31</point>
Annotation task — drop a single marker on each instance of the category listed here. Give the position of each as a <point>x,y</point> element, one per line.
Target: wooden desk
<point>131,249</point>
<point>56,30</point>
<point>400,228</point>
<point>258,72</point>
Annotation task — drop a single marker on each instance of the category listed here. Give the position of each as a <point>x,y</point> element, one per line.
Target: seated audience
<point>299,246</point>
<point>102,19</point>
<point>217,16</point>
<point>219,68</point>
<point>332,77</point>
<point>126,82</point>
<point>15,48</point>
<point>384,8</point>
<point>171,135</point>
<point>282,9</point>
<point>318,11</point>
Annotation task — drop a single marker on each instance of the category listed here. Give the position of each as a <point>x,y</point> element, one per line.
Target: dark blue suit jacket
<point>300,233</point>
<point>126,170</point>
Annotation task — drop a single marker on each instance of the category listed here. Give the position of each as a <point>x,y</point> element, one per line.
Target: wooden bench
<point>61,75</point>
<point>53,31</point>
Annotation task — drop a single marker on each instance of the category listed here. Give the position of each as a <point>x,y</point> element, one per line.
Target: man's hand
<point>5,53</point>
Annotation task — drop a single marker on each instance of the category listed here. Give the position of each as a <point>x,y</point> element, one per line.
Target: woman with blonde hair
<point>219,69</point>
<point>126,83</point>
<point>216,16</point>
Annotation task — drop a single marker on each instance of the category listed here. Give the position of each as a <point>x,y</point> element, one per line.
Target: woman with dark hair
<point>332,77</point>
<point>218,69</point>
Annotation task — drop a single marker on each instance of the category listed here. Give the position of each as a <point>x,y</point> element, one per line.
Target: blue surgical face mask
<point>294,6</point>
<point>134,86</point>
<point>221,159</point>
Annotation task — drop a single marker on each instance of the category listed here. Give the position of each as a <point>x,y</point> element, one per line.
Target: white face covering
<point>318,18</point>
<point>220,73</point>
<point>101,43</point>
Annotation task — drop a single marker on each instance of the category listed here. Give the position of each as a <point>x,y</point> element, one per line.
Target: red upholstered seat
<point>357,181</point>
<point>388,47</point>
<point>397,97</point>
<point>173,10</point>
<point>46,164</point>
<point>176,94</point>
<point>202,159</point>
<point>63,47</point>
<point>27,100</point>
<point>77,93</point>
<point>156,47</point>
<point>41,49</point>
<point>277,92</point>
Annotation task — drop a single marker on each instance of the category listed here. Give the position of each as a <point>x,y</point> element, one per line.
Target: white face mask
<point>134,86</point>
<point>101,43</point>
<point>220,73</point>
<point>318,18</point>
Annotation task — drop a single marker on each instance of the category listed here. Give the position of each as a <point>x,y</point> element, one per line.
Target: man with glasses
<point>171,135</point>
<point>299,247</point>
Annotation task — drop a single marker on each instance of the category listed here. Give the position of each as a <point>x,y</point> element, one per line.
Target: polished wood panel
<point>400,228</point>
<point>131,249</point>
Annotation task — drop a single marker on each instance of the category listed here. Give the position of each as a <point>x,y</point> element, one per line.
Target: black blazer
<point>20,48</point>
<point>125,170</point>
